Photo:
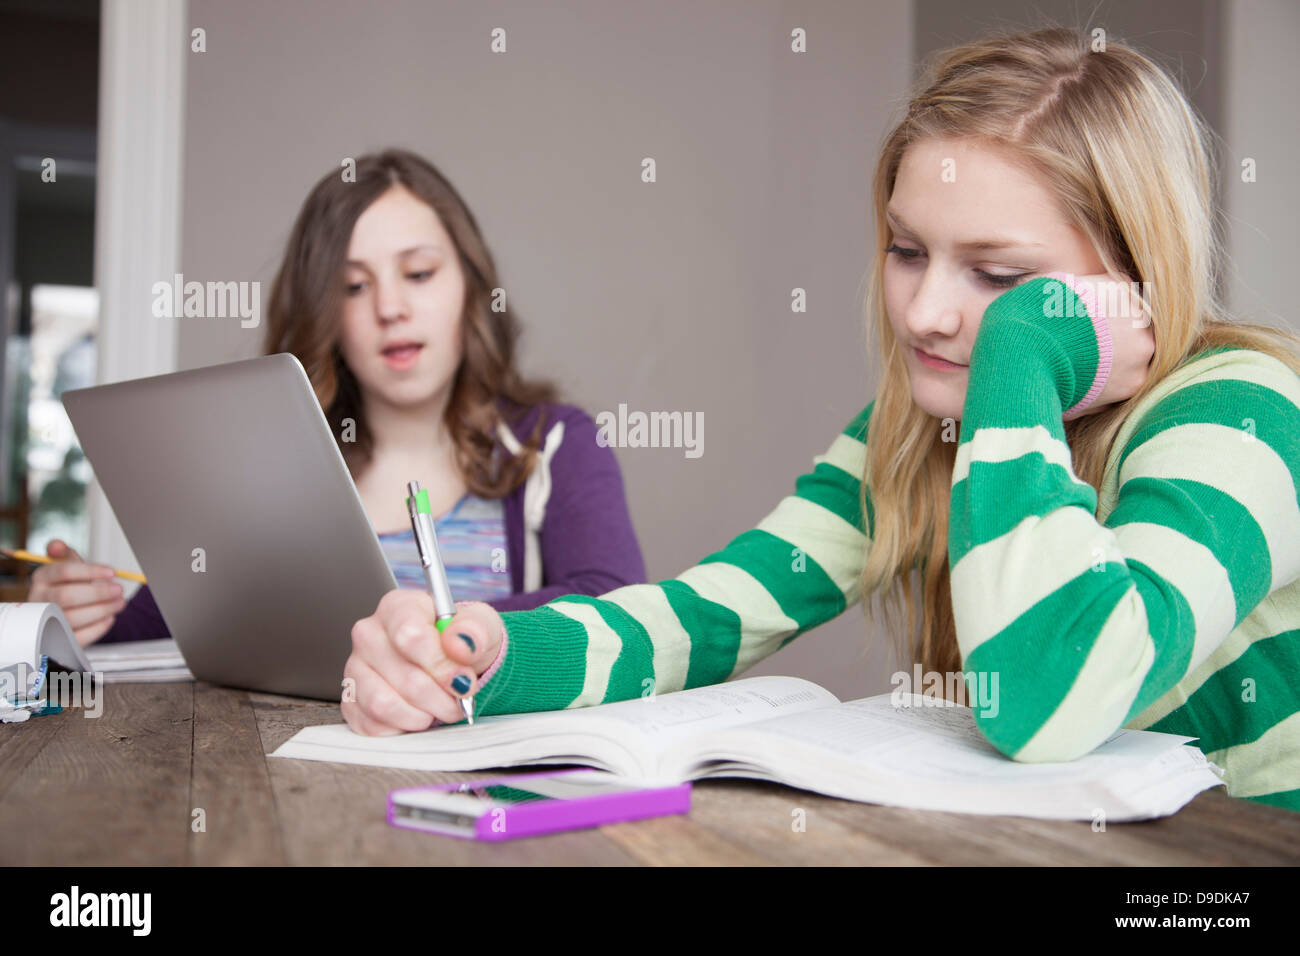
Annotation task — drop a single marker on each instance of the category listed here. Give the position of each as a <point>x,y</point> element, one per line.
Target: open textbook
<point>927,754</point>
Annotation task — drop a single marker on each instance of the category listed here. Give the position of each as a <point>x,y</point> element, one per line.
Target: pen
<point>20,555</point>
<point>435,575</point>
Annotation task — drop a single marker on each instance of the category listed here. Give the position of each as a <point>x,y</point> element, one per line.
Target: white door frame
<point>142,49</point>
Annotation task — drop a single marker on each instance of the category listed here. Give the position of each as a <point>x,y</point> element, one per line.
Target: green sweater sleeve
<point>1082,625</point>
<point>797,569</point>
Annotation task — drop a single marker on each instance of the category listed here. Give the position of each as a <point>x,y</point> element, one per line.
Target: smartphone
<point>507,808</point>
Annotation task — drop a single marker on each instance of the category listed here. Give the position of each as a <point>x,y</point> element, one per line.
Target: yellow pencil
<point>42,559</point>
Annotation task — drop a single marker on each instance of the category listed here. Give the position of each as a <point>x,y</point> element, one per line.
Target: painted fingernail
<point>468,640</point>
<point>460,683</point>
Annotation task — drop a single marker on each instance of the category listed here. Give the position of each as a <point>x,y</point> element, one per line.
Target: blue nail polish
<point>468,640</point>
<point>460,683</point>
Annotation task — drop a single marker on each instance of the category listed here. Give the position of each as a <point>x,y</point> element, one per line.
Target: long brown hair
<point>305,312</point>
<point>1131,166</point>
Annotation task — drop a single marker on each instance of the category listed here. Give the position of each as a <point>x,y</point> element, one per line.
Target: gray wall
<point>1262,123</point>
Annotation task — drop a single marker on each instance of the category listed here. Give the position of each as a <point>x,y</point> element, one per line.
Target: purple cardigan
<point>587,542</point>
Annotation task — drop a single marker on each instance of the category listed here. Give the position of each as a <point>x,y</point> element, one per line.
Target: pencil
<point>42,559</point>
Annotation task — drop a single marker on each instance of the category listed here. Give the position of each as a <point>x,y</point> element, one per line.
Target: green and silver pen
<point>435,575</point>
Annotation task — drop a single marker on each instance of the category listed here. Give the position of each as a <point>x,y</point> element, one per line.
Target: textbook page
<point>942,743</point>
<point>934,757</point>
<point>624,737</point>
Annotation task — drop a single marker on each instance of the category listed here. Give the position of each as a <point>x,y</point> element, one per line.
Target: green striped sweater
<point>1168,600</point>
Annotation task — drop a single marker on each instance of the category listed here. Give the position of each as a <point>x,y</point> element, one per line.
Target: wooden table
<point>122,788</point>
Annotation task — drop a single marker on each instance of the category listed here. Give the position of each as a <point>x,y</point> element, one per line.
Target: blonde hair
<point>1112,137</point>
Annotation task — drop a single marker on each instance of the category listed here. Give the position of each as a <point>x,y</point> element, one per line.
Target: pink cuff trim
<point>501,655</point>
<point>1105,344</point>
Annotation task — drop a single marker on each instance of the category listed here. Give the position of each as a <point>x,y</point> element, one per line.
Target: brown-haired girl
<point>390,299</point>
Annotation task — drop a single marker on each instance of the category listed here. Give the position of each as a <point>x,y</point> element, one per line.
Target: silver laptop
<point>237,460</point>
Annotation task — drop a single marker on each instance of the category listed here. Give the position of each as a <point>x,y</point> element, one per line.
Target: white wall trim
<point>143,46</point>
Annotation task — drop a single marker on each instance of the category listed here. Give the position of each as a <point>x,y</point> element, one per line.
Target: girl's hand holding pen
<point>86,593</point>
<point>405,674</point>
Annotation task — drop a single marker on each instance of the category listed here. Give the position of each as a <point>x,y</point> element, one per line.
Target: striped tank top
<point>472,542</point>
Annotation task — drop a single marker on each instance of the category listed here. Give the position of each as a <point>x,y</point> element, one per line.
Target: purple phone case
<point>554,816</point>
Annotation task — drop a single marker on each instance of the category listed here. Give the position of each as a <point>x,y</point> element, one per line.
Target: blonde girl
<point>1090,470</point>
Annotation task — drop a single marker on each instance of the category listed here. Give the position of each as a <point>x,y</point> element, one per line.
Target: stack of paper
<point>133,662</point>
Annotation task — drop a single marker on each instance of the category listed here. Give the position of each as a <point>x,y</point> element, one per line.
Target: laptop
<point>238,506</point>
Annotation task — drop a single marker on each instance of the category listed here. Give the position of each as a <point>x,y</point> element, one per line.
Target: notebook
<point>32,634</point>
<point>904,750</point>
